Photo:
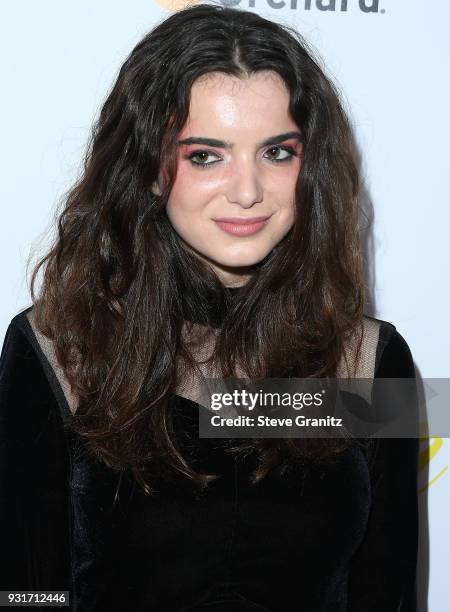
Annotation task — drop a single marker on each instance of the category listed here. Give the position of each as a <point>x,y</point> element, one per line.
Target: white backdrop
<point>391,60</point>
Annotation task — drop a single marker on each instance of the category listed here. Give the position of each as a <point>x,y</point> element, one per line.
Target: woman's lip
<point>241,221</point>
<point>241,229</point>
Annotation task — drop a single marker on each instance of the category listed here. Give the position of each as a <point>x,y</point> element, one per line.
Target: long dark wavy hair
<point>118,284</point>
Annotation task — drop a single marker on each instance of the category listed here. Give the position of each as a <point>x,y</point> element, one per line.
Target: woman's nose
<point>245,187</point>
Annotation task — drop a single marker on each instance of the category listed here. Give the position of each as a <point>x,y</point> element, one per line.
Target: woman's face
<point>239,156</point>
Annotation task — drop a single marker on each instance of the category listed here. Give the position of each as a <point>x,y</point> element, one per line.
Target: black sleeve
<point>383,569</point>
<point>34,508</point>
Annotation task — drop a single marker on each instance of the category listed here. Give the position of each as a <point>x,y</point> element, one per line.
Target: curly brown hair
<point>113,299</point>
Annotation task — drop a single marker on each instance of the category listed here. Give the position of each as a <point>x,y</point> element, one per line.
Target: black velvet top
<point>338,537</point>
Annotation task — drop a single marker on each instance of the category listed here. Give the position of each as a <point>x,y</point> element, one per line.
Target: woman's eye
<point>202,158</point>
<point>280,154</point>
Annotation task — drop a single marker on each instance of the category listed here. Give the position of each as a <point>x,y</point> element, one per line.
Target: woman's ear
<point>155,188</point>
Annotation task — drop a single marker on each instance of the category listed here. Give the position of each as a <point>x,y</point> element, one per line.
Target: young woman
<point>214,231</point>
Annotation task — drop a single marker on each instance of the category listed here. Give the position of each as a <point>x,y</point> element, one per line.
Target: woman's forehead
<point>255,104</point>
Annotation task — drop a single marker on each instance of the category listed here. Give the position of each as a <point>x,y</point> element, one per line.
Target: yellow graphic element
<point>433,479</point>
<point>427,454</point>
<point>176,5</point>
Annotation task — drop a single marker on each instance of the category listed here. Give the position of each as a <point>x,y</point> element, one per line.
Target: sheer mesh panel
<point>192,385</point>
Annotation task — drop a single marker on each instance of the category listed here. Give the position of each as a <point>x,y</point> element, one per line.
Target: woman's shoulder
<point>26,375</point>
<point>393,357</point>
<point>17,348</point>
<point>20,347</point>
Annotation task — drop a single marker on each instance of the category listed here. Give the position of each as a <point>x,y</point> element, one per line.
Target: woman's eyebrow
<point>225,144</point>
